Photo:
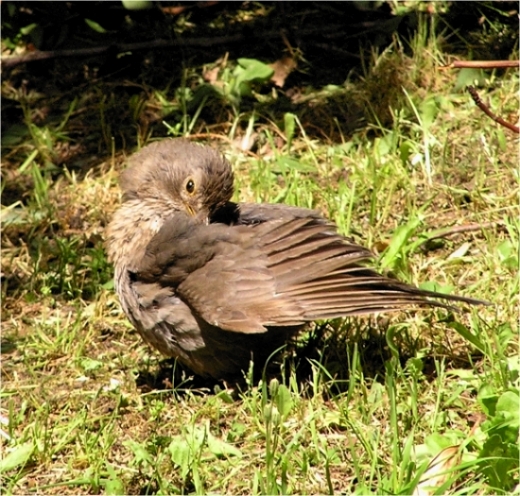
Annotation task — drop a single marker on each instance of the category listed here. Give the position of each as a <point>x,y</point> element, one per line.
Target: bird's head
<point>181,175</point>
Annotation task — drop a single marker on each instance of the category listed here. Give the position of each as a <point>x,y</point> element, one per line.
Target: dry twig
<point>482,64</point>
<point>482,106</point>
<point>454,230</point>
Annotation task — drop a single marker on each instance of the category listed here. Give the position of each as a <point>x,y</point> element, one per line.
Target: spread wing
<point>276,272</point>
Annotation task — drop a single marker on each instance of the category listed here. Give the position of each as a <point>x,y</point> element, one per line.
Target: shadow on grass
<point>333,350</point>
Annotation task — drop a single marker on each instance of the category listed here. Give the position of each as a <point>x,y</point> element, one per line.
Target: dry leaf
<point>380,246</point>
<point>438,471</point>
<point>282,68</point>
<point>460,251</point>
<point>176,10</point>
<point>211,75</point>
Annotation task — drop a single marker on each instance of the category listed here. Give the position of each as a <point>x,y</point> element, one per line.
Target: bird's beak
<point>190,210</point>
<point>200,217</point>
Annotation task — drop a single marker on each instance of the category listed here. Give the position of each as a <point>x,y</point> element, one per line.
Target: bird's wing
<point>222,272</point>
<point>281,272</point>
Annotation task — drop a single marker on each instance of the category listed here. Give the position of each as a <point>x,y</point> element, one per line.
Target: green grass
<point>362,406</point>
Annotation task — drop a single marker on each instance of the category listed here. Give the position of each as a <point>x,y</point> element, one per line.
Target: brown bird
<point>216,284</point>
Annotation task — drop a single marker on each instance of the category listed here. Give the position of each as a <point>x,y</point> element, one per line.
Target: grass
<point>363,406</point>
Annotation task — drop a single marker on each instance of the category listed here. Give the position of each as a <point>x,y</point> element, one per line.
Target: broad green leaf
<point>27,29</point>
<point>14,135</point>
<point>405,151</point>
<point>383,146</point>
<point>17,457</point>
<point>221,448</point>
<point>253,70</point>
<point>114,487</point>
<point>88,364</point>
<point>95,26</point>
<point>488,398</point>
<point>137,4</point>
<point>506,421</point>
<point>113,484</point>
<point>437,442</point>
<point>224,395</point>
<point>509,403</point>
<point>181,454</point>
<point>286,164</point>
<point>428,111</point>
<point>508,254</point>
<point>237,431</point>
<point>468,76</point>
<point>140,452</point>
<point>499,462</point>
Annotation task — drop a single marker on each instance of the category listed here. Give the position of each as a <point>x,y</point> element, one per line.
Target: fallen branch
<point>482,106</point>
<point>206,42</point>
<point>454,230</point>
<point>9,62</point>
<point>482,64</point>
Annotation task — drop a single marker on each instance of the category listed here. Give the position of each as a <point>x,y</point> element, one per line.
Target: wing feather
<point>283,271</point>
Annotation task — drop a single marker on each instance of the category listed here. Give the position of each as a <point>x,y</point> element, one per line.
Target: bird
<point>217,284</point>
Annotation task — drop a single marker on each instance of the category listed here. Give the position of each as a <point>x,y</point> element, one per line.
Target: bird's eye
<point>190,186</point>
